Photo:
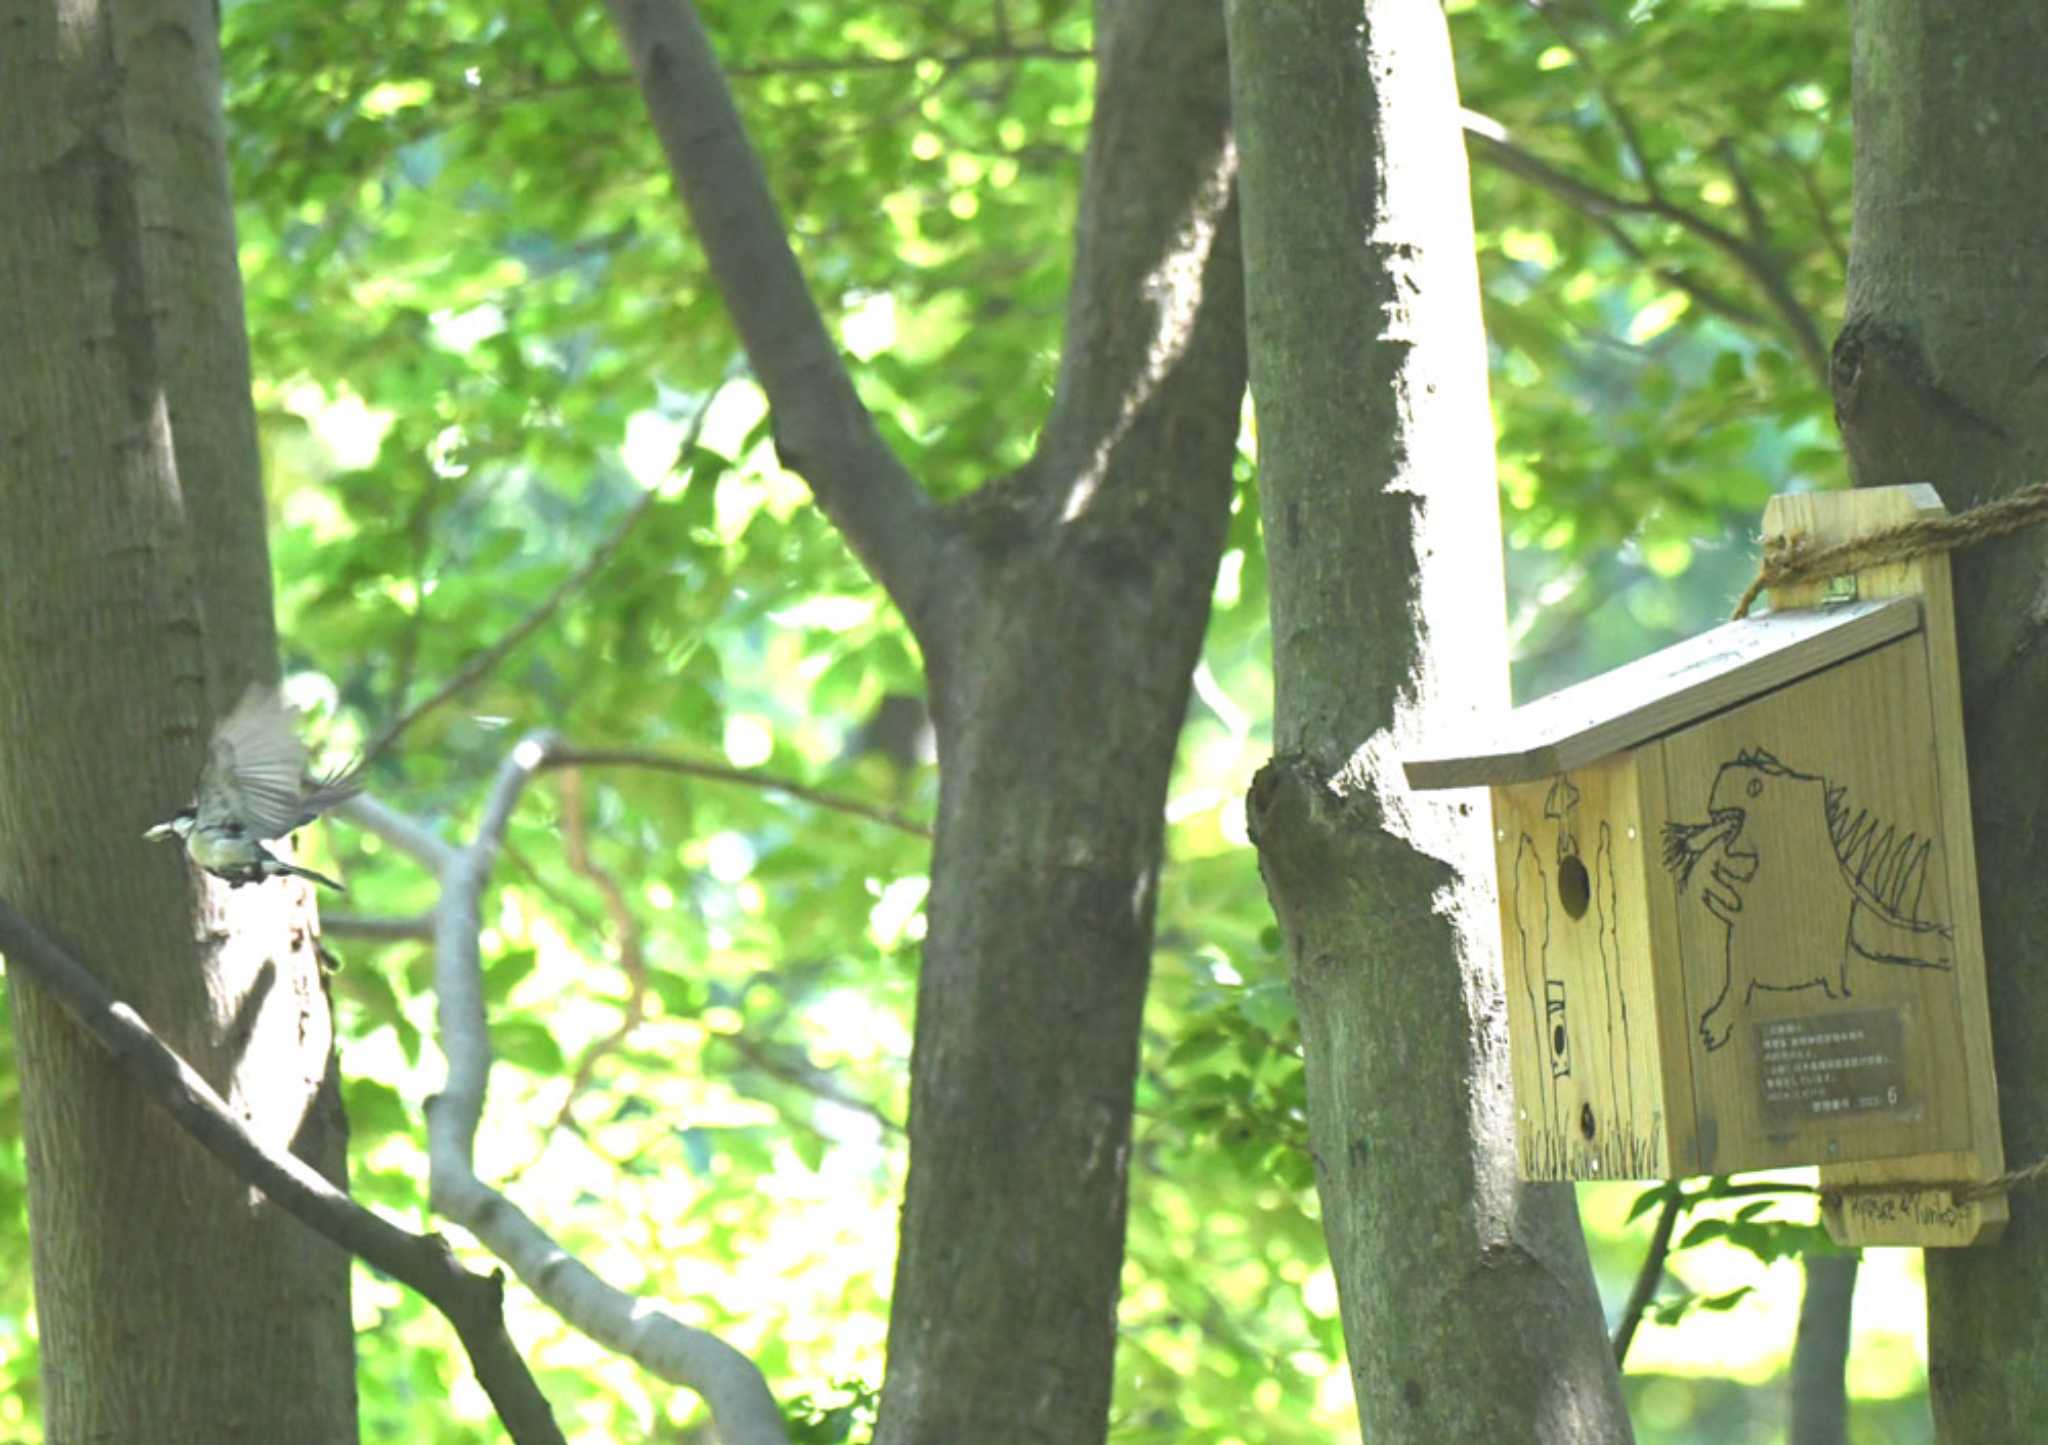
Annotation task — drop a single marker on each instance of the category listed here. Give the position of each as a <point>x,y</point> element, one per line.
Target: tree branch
<point>1649,1276</point>
<point>822,431</point>
<point>378,928</point>
<point>1817,200</point>
<point>1624,118</point>
<point>747,777</point>
<point>1754,218</point>
<point>482,662</point>
<point>1491,145</point>
<point>473,1303</point>
<point>644,1331</point>
<point>803,1074</point>
<point>625,926</point>
<point>950,60</point>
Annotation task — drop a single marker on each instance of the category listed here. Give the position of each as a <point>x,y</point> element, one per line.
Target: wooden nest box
<point>1738,902</point>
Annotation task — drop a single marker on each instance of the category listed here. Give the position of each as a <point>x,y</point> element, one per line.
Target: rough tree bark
<point>1940,375</point>
<point>1467,1300</point>
<point>1061,611</point>
<point>173,1305</point>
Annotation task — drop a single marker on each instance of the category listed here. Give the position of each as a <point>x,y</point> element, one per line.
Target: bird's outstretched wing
<point>254,772</point>
<point>331,791</point>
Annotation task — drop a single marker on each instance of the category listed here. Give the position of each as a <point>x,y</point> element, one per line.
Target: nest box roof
<point>1663,692</point>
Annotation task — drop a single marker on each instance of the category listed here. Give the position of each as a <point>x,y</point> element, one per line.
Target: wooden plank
<point>1580,977</point>
<point>1916,1213</point>
<point>1678,1084</point>
<point>1666,690</point>
<point>1909,1215</point>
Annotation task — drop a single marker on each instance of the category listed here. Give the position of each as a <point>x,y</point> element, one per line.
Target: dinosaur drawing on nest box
<point>1737,893</point>
<point>1760,813</point>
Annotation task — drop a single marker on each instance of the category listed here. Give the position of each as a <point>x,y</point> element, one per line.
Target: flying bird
<point>254,787</point>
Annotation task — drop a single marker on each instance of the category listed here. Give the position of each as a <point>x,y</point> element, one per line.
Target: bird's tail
<point>308,874</point>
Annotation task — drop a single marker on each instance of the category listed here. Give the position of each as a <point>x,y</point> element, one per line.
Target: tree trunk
<point>1467,1301</point>
<point>1061,611</point>
<point>1820,1353</point>
<point>173,1306</point>
<point>1940,376</point>
<point>1059,685</point>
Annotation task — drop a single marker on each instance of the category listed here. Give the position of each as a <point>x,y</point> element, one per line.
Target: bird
<point>255,786</point>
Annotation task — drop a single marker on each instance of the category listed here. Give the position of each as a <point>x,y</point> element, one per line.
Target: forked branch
<point>472,1302</point>
<point>643,1330</point>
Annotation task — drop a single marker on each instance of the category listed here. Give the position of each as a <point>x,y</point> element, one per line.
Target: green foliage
<point>1659,338</point>
<point>849,1417</point>
<point>1749,1228</point>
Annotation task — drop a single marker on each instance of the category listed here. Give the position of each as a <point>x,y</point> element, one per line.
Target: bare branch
<point>473,1303</point>
<point>644,1331</point>
<point>406,834</point>
<point>801,1073</point>
<point>745,777</point>
<point>625,928</point>
<point>1754,218</point>
<point>1823,212</point>
<point>459,975</point>
<point>380,929</point>
<point>1490,144</point>
<point>822,431</point>
<point>949,60</point>
<point>482,662</point>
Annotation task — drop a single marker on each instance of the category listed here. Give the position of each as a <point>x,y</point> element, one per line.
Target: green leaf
<point>528,1044</point>
<point>504,972</point>
<point>1650,1199</point>
<point>374,1110</point>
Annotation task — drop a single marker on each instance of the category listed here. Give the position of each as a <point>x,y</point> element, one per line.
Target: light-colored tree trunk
<point>1941,376</point>
<point>173,1305</point>
<point>1468,1305</point>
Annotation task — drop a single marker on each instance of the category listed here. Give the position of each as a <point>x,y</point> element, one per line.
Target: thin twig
<point>473,1303</point>
<point>625,928</point>
<point>1624,118</point>
<point>483,662</point>
<point>1753,214</point>
<point>806,1076</point>
<point>565,24</point>
<point>1649,1276</point>
<point>1823,210</point>
<point>948,60</point>
<point>745,777</point>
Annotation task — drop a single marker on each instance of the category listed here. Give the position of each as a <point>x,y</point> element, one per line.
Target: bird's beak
<point>160,832</point>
